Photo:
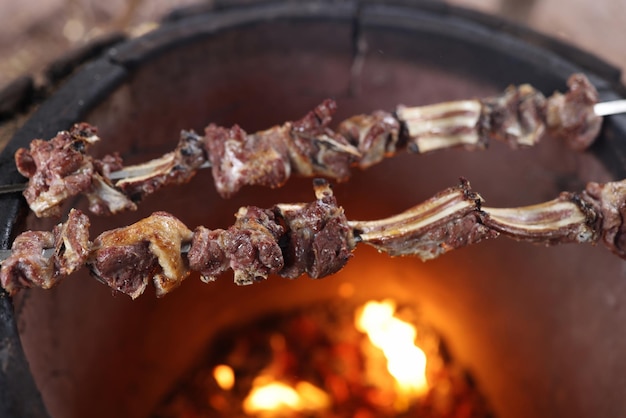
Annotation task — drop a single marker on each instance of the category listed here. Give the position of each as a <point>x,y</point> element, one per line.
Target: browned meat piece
<point>176,167</point>
<point>522,116</point>
<point>516,117</point>
<point>318,239</point>
<point>375,136</point>
<point>57,169</point>
<point>28,265</point>
<point>250,248</point>
<point>252,245</point>
<point>316,150</point>
<point>127,258</point>
<point>288,240</point>
<point>125,268</point>
<point>61,168</point>
<point>239,159</point>
<point>307,147</point>
<point>571,116</point>
<point>207,254</point>
<point>609,200</point>
<point>449,220</point>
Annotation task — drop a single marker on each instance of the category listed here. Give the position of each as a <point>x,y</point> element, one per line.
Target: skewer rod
<point>610,108</point>
<point>48,252</point>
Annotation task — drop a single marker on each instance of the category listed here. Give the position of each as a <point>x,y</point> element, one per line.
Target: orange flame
<point>224,376</point>
<point>272,396</point>
<point>405,361</point>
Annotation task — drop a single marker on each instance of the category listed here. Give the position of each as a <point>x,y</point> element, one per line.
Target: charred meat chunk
<point>319,240</point>
<point>375,136</point>
<point>58,169</point>
<point>315,149</point>
<point>249,247</point>
<point>207,254</point>
<point>609,202</point>
<point>61,168</point>
<point>307,147</point>
<point>126,259</point>
<point>29,266</point>
<point>516,117</point>
<point>571,116</point>
<point>239,159</point>
<point>125,268</point>
<point>523,116</point>
<point>252,245</point>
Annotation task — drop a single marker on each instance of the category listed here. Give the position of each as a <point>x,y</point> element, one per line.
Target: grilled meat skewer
<point>314,238</point>
<point>62,167</point>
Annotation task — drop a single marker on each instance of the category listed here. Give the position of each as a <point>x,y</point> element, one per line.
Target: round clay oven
<point>539,328</point>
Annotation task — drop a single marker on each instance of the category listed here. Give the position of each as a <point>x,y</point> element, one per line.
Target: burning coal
<point>328,360</point>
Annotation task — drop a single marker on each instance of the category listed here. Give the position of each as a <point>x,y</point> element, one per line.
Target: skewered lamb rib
<point>316,238</point>
<point>62,168</point>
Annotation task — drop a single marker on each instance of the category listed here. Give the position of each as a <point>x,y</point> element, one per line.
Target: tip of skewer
<point>613,107</point>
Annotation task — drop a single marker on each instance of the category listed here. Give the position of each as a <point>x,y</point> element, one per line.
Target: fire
<point>396,338</point>
<point>405,363</point>
<point>224,376</point>
<point>274,396</point>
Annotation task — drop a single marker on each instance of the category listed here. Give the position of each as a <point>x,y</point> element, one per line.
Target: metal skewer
<point>143,171</point>
<point>610,108</point>
<point>48,252</point>
<point>613,107</point>
<point>12,188</point>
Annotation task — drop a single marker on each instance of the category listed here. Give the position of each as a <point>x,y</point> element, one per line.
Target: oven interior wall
<point>538,327</point>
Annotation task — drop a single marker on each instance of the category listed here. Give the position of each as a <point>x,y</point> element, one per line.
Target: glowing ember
<point>315,362</point>
<point>224,376</point>
<point>405,361</point>
<point>276,396</point>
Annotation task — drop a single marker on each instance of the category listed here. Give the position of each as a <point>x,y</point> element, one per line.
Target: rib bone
<point>449,220</point>
<point>443,125</point>
<point>558,221</point>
